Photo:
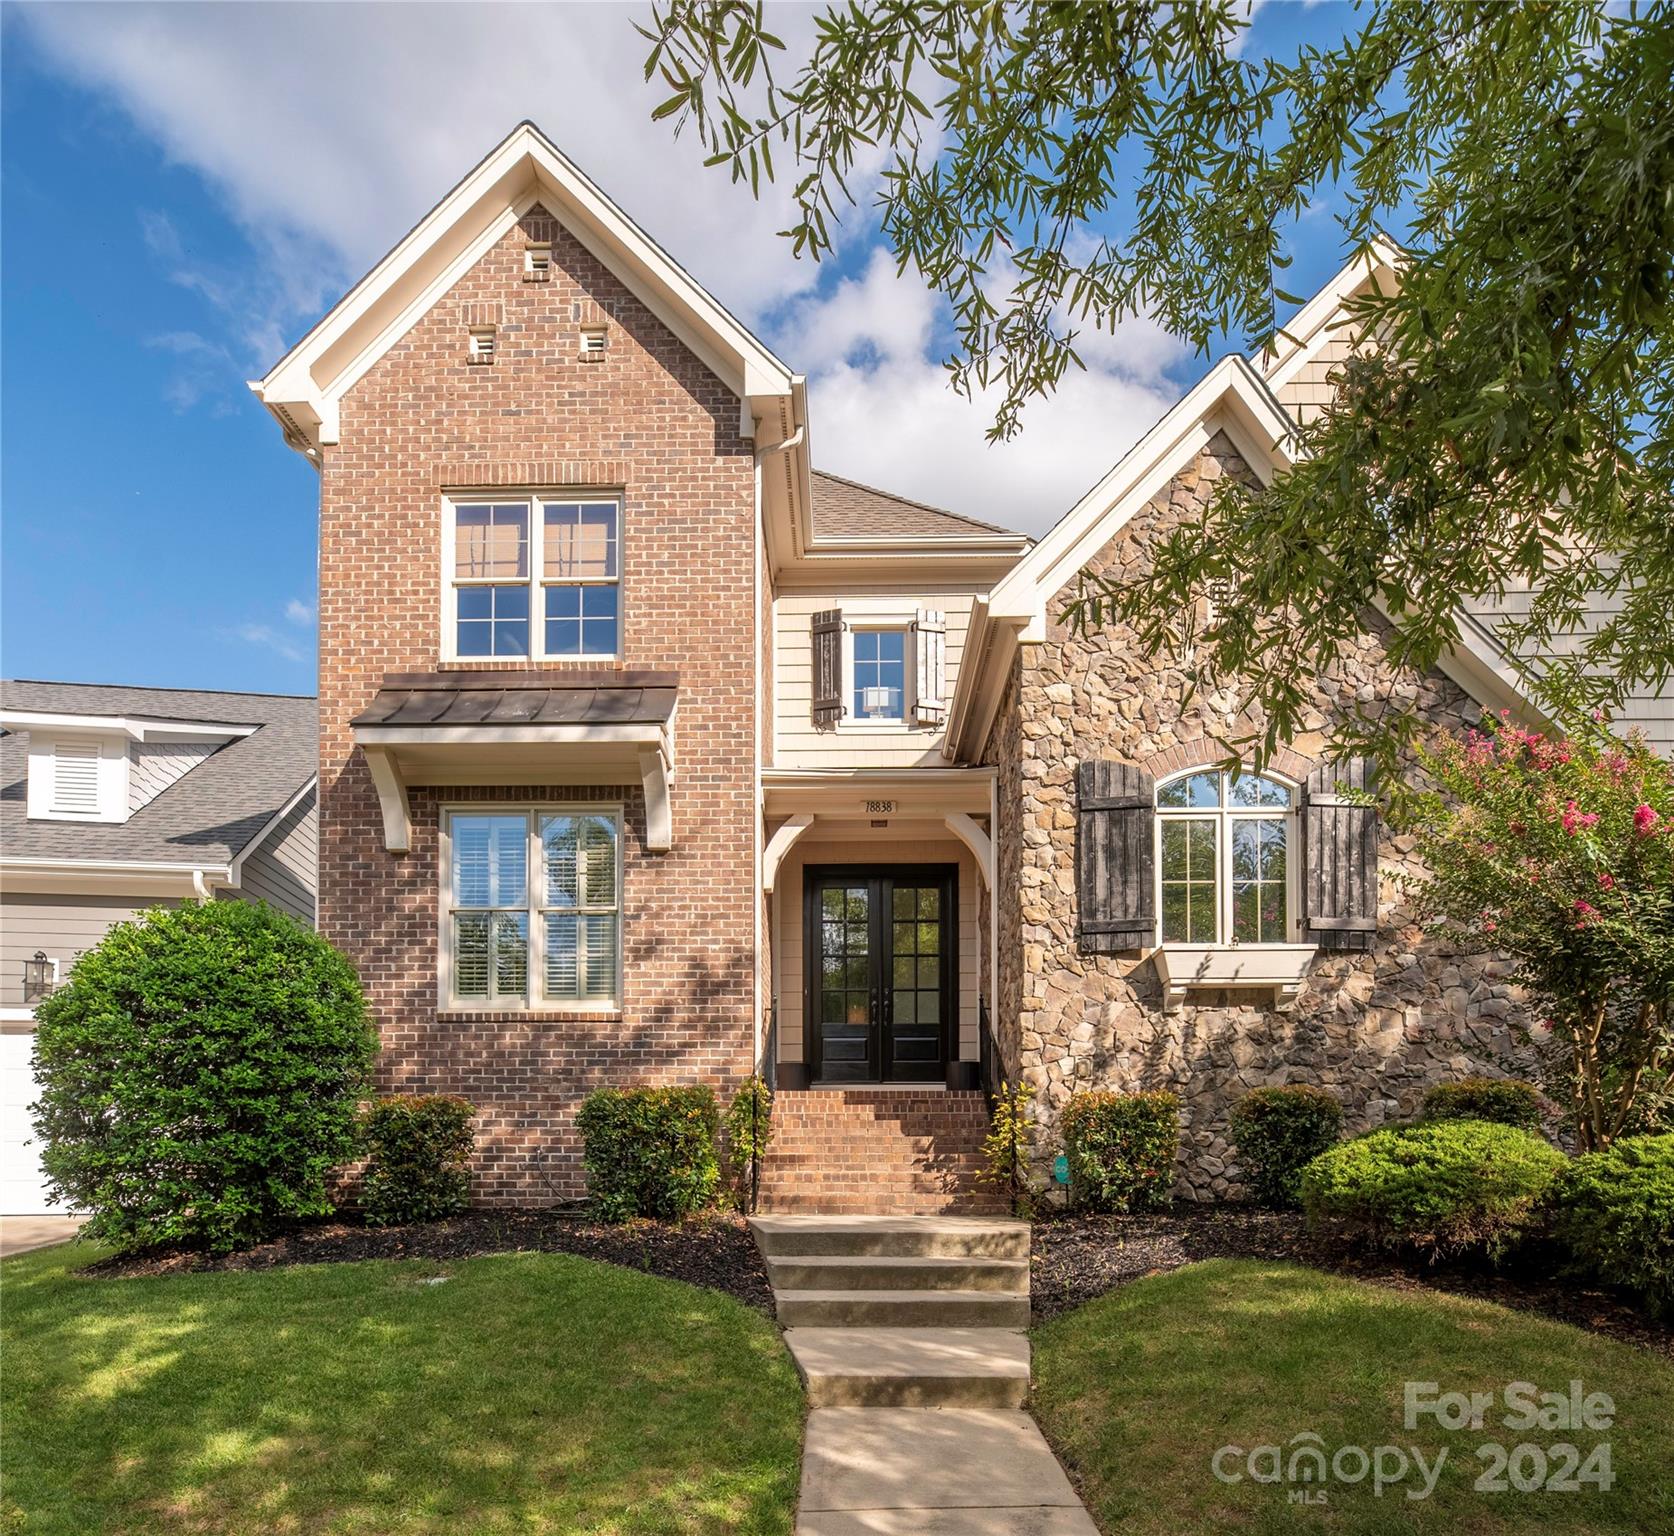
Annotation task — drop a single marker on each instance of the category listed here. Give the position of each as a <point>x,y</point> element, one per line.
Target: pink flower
<point>1490,926</point>
<point>1645,819</point>
<point>1585,911</point>
<point>1575,820</point>
<point>1606,882</point>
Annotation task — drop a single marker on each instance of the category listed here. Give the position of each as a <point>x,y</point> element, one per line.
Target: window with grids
<point>880,674</point>
<point>536,577</point>
<point>1223,858</point>
<point>534,908</point>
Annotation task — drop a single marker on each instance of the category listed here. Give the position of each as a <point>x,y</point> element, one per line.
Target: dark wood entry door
<point>882,948</point>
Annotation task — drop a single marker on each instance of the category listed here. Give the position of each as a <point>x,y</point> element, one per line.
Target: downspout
<point>200,885</point>
<point>757,544</point>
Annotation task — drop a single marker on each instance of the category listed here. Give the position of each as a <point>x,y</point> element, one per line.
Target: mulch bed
<point>716,1251</point>
<point>1076,1258</point>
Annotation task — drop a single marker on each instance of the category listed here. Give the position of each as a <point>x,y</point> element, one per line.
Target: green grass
<point>1139,1389</point>
<point>528,1393</point>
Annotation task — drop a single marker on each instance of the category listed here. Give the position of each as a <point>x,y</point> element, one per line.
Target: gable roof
<point>1313,327</point>
<point>1232,398</point>
<point>304,388</point>
<point>848,509</point>
<point>208,816</point>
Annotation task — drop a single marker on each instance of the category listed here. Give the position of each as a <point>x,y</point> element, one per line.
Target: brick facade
<point>648,420</point>
<point>1377,1028</point>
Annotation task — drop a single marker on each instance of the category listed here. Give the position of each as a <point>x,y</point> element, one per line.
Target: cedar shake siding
<point>1385,1010</point>
<point>646,420</point>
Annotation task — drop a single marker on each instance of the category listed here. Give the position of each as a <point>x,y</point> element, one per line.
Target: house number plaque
<point>880,807</point>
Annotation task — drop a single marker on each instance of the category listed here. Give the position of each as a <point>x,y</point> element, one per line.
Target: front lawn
<point>524,1392</point>
<point>1138,1390</point>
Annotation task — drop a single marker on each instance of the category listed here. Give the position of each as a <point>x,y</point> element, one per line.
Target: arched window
<point>1224,858</point>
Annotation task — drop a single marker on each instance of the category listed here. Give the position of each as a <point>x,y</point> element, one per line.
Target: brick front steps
<point>898,1151</point>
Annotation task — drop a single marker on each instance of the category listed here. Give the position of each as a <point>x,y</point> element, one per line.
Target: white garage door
<point>22,1185</point>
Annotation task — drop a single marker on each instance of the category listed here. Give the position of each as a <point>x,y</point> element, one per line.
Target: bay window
<point>532,908</point>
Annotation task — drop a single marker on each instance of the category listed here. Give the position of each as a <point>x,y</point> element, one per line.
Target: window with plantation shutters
<point>1114,857</point>
<point>827,639</point>
<point>534,909</point>
<point>1339,857</point>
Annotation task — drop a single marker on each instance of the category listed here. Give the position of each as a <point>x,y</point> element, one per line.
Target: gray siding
<point>154,765</point>
<point>284,870</point>
<point>62,926</point>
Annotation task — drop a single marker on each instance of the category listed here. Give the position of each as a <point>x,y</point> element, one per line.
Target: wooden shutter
<point>1115,857</point>
<point>75,778</point>
<point>828,667</point>
<point>1339,858</point>
<point>930,651</point>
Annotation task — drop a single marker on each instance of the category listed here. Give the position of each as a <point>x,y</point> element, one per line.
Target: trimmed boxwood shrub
<point>418,1158</point>
<point>1504,1100</point>
<point>1614,1211</point>
<point>1440,1188</point>
<point>1121,1149</point>
<point>200,1071</point>
<point>649,1151</point>
<point>1278,1132</point>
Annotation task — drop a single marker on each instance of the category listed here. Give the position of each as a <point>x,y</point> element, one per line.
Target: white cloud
<point>299,612</point>
<point>329,130</point>
<point>269,638</point>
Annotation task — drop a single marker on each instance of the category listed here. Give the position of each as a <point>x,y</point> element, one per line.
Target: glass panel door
<point>844,1012</point>
<point>881,994</point>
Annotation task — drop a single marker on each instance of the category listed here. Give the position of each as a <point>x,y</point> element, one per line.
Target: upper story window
<point>1224,865</point>
<point>536,577</point>
<point>880,674</point>
<point>533,901</point>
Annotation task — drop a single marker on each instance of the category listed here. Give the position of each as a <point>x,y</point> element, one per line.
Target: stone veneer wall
<point>1376,1028</point>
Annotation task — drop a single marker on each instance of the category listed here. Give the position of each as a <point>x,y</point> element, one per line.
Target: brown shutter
<point>828,667</point>
<point>1339,858</point>
<point>930,650</point>
<point>1115,857</point>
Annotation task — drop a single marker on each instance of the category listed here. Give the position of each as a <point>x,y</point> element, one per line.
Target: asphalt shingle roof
<point>847,509</point>
<point>205,817</point>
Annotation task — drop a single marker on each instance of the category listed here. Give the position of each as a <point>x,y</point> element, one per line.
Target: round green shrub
<point>418,1158</point>
<point>1278,1132</point>
<point>1441,1188</point>
<point>200,1074</point>
<point>1504,1100</point>
<point>649,1151</point>
<point>1614,1211</point>
<point>1121,1149</point>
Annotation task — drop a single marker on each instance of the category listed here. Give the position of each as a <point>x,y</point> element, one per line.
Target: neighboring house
<point>113,800</point>
<point>651,754</point>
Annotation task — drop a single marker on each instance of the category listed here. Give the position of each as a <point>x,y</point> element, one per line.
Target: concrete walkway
<point>18,1234</point>
<point>915,1429</point>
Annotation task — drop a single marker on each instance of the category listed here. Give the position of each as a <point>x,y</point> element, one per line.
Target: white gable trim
<point>1311,328</point>
<point>268,827</point>
<point>304,389</point>
<point>1230,397</point>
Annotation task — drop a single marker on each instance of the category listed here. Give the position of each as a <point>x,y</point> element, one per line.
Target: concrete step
<point>933,1472</point>
<point>902,1309</point>
<point>891,1236</point>
<point>911,1367</point>
<point>869,1272</point>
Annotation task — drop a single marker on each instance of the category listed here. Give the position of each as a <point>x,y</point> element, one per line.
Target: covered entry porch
<point>878,895</point>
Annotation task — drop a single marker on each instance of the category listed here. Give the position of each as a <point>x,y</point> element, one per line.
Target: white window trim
<point>531,1003</point>
<point>1225,814</point>
<point>536,579</point>
<point>113,771</point>
<point>873,616</point>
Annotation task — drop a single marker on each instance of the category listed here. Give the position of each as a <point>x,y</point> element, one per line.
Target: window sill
<point>1185,967</point>
<point>457,1015</point>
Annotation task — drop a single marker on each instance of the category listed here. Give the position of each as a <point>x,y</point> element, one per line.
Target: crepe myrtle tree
<point>1055,168</point>
<point>1560,852</point>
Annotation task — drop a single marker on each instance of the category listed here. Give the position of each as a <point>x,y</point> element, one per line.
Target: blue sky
<point>186,189</point>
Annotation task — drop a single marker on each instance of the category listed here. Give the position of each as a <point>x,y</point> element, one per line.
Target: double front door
<point>882,947</point>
